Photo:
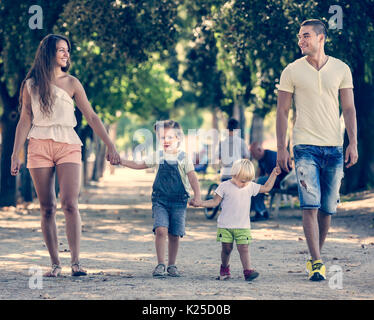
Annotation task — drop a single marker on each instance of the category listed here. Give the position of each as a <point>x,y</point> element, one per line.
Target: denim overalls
<point>169,197</point>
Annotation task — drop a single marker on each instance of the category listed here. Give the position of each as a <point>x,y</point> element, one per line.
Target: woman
<point>47,119</point>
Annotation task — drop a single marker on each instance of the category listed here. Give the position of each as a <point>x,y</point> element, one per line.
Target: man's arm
<point>349,115</point>
<point>283,107</point>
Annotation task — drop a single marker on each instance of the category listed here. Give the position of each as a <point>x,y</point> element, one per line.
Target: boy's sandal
<point>79,271</point>
<point>54,272</point>
<point>173,271</point>
<point>159,271</point>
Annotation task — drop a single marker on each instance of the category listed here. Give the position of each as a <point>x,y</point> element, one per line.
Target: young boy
<point>171,189</point>
<point>234,222</point>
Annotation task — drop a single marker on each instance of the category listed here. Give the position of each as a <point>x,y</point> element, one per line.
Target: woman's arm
<point>22,130</point>
<point>93,120</point>
<point>270,181</point>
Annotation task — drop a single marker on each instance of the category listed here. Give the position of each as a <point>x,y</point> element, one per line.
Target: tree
<point>124,32</point>
<point>18,44</point>
<point>205,79</point>
<point>118,38</point>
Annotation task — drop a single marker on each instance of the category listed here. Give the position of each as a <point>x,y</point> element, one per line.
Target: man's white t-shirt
<point>316,96</point>
<point>236,204</point>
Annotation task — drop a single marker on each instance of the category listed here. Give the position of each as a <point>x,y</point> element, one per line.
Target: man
<point>267,160</point>
<point>231,149</point>
<point>316,82</point>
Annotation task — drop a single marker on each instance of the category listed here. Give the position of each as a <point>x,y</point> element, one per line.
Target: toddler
<point>234,222</point>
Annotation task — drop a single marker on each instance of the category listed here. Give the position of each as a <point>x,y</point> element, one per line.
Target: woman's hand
<point>112,155</point>
<point>15,166</point>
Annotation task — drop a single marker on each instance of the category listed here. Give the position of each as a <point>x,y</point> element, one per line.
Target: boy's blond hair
<point>243,169</point>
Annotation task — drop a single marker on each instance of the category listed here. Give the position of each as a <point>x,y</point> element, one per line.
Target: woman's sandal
<point>55,271</point>
<point>79,272</point>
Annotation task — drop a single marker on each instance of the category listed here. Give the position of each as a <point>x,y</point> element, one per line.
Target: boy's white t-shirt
<point>236,204</point>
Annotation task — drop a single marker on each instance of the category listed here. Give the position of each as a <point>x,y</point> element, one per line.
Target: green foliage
<point>125,30</point>
<point>18,42</point>
<point>205,79</point>
<point>149,91</point>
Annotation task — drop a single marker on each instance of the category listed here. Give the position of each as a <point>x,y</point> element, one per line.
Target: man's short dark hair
<point>318,26</point>
<point>233,124</point>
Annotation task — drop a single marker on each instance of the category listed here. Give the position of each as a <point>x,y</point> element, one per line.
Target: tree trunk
<point>85,135</point>
<point>214,118</point>
<point>9,121</point>
<point>242,119</point>
<point>99,164</point>
<point>236,111</point>
<point>257,129</point>
<point>361,175</point>
<point>26,181</point>
<point>238,114</point>
<point>113,136</point>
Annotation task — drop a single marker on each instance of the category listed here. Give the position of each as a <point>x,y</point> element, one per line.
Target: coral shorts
<point>42,153</point>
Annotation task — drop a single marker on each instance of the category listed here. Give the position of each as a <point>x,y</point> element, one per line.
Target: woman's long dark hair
<point>41,72</point>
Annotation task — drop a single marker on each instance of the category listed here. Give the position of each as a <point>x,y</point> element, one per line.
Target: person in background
<point>231,149</point>
<point>267,160</point>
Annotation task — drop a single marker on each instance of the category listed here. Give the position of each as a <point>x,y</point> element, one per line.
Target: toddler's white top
<point>236,204</point>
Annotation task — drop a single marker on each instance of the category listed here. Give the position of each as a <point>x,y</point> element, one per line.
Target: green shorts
<point>241,236</point>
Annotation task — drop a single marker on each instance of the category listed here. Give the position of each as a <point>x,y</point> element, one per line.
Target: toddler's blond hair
<point>243,169</point>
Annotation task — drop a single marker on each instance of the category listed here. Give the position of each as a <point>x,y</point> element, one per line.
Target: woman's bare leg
<point>44,182</point>
<point>69,181</point>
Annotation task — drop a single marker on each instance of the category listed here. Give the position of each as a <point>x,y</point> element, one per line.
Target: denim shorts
<point>169,214</point>
<point>319,172</point>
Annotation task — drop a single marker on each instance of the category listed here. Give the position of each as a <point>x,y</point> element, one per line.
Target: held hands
<point>195,202</point>
<point>276,171</point>
<point>284,160</point>
<point>112,156</point>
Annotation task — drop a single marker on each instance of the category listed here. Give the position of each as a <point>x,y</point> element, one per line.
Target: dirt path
<point>118,251</point>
